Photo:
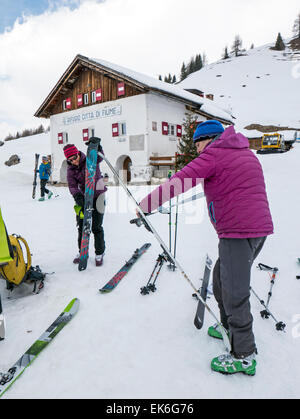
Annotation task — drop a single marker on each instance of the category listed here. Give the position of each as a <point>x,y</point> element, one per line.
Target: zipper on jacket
<point>212,212</point>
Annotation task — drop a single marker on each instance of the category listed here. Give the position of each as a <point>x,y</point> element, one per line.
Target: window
<point>79,100</point>
<point>172,130</point>
<point>121,89</point>
<point>119,129</point>
<point>154,126</point>
<point>67,104</point>
<point>86,99</point>
<point>62,138</point>
<point>97,95</point>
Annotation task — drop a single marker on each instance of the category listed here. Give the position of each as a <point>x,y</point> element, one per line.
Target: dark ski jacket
<point>45,171</point>
<point>76,178</point>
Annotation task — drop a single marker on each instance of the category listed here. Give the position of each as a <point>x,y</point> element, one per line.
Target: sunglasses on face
<point>73,158</point>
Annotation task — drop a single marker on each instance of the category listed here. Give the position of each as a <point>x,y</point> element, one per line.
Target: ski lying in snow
<point>7,379</point>
<point>125,269</point>
<point>199,317</point>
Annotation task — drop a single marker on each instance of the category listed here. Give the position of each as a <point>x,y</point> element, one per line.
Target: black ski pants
<point>231,287</point>
<point>43,187</point>
<point>97,230</point>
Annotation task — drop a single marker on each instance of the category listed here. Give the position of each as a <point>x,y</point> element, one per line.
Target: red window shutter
<point>165,128</point>
<point>179,130</point>
<point>85,134</point>
<point>79,100</point>
<point>60,138</point>
<point>115,130</point>
<point>98,95</point>
<point>68,103</point>
<point>121,89</point>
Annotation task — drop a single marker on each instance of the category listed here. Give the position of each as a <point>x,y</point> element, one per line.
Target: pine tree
<point>198,62</point>
<point>204,59</point>
<point>186,146</point>
<point>280,45</point>
<point>252,46</point>
<point>174,79</point>
<point>225,54</point>
<point>237,45</point>
<point>296,28</point>
<point>183,72</point>
<point>159,77</point>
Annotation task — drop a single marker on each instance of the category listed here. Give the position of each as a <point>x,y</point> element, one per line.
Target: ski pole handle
<point>264,267</point>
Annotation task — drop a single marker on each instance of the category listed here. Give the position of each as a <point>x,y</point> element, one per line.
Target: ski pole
<point>184,201</point>
<point>171,258</point>
<point>2,322</point>
<point>280,326</point>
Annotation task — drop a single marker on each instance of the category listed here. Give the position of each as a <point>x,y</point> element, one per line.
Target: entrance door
<point>127,166</point>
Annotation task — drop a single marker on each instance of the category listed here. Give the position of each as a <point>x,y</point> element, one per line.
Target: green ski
<point>7,379</point>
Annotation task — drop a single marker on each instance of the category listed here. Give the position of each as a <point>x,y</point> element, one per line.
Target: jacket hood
<point>230,139</point>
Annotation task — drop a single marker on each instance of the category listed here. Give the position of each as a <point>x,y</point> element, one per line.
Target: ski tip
<point>73,304</point>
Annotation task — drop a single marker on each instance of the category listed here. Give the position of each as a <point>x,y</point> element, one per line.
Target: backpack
<point>17,270</point>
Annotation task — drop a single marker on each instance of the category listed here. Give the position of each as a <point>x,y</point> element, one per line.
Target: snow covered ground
<point>123,344</point>
<point>260,87</point>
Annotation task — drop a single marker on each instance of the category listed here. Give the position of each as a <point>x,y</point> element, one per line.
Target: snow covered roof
<point>201,105</point>
<point>206,105</point>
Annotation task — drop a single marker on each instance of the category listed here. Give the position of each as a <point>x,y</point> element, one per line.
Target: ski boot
<point>99,260</point>
<point>42,198</point>
<point>50,194</point>
<point>228,364</point>
<point>214,331</point>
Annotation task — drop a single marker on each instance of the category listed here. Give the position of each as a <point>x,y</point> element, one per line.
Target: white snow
<point>262,86</point>
<point>123,344</point>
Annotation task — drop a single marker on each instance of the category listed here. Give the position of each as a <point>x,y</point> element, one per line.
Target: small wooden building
<point>136,116</point>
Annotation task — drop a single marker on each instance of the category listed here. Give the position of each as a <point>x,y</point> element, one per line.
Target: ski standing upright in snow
<point>37,156</point>
<point>199,317</point>
<point>109,286</point>
<point>7,379</point>
<point>90,172</point>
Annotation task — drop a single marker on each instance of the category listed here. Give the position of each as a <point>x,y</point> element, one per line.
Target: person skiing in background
<point>76,181</point>
<point>239,211</point>
<point>44,173</point>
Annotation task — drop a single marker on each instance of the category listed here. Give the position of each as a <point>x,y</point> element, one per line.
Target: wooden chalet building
<point>137,117</point>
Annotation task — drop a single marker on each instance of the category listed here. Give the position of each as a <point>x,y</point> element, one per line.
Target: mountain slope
<point>260,87</point>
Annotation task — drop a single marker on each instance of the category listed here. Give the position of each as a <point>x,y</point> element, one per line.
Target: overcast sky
<point>39,39</point>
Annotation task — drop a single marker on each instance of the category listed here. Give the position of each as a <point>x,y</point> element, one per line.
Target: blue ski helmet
<point>207,130</point>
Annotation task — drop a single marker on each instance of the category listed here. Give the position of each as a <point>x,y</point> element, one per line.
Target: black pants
<point>97,230</point>
<point>43,187</point>
<point>231,286</point>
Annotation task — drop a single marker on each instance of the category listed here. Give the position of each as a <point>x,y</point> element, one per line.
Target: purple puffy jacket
<point>76,177</point>
<point>233,184</point>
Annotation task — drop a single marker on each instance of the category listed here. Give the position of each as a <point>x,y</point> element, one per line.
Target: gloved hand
<point>79,199</point>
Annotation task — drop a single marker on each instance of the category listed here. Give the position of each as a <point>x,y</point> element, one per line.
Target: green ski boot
<point>50,194</point>
<point>227,364</point>
<point>42,199</point>
<point>214,331</point>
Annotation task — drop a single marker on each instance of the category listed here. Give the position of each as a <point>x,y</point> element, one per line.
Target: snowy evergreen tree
<point>186,146</point>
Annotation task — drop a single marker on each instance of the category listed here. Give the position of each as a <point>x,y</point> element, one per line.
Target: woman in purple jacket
<point>239,211</point>
<point>76,182</point>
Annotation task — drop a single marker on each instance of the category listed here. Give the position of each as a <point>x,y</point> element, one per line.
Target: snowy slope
<point>123,344</point>
<point>261,87</point>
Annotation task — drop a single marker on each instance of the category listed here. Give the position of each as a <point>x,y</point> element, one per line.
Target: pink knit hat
<point>70,150</point>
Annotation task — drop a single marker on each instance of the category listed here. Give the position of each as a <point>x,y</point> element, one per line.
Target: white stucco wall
<point>140,142</point>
